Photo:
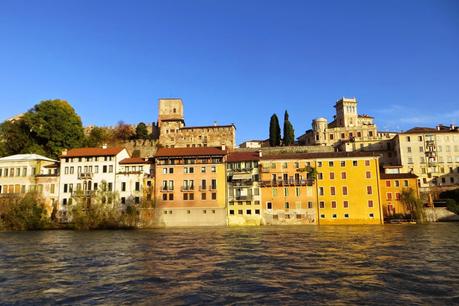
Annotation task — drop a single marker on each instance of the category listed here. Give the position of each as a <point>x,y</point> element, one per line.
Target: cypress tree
<point>274,131</point>
<point>289,134</point>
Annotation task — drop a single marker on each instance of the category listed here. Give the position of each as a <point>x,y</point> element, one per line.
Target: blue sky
<point>233,61</point>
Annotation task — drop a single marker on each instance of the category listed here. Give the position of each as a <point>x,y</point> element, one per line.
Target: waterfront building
<point>350,131</point>
<point>348,190</point>
<point>322,188</point>
<point>392,185</point>
<point>432,154</point>
<point>134,181</point>
<point>190,186</point>
<point>287,189</point>
<point>83,171</point>
<point>174,134</point>
<point>244,196</point>
<point>22,173</point>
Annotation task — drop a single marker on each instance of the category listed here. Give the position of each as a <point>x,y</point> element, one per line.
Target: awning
<point>242,176</point>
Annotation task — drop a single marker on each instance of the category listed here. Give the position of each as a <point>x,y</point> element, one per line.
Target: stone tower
<point>170,110</point>
<point>346,112</point>
<point>319,127</point>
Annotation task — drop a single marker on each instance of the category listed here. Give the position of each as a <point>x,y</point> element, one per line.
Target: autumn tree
<point>141,131</point>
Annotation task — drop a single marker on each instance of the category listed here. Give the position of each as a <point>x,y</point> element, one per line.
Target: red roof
<point>133,160</point>
<point>198,151</point>
<point>318,155</point>
<point>391,176</point>
<point>84,152</point>
<point>243,156</point>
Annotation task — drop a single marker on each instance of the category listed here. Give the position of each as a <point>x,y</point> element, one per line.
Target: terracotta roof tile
<point>134,160</point>
<point>84,152</point>
<point>318,155</point>
<point>388,176</point>
<point>198,151</point>
<point>243,156</point>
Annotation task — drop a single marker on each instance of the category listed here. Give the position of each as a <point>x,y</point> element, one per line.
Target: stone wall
<point>211,136</point>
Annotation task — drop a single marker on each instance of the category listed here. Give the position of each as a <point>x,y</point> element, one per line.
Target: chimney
<point>104,146</point>
<point>438,127</point>
<point>260,153</point>
<point>64,152</point>
<point>452,127</point>
<point>223,147</point>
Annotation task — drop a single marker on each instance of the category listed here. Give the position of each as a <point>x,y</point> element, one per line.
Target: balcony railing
<point>286,183</point>
<point>167,189</point>
<point>240,183</point>
<point>187,188</point>
<point>84,175</point>
<point>240,198</point>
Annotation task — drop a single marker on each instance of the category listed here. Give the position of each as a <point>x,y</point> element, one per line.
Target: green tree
<point>97,136</point>
<point>23,213</point>
<point>413,204</point>
<point>54,125</point>
<point>274,131</point>
<point>16,138</point>
<point>289,133</point>
<point>141,131</point>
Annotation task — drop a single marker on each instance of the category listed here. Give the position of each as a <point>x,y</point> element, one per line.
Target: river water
<point>378,265</point>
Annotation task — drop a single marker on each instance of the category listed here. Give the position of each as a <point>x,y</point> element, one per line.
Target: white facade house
<point>86,170</point>
<point>22,173</point>
<point>134,180</point>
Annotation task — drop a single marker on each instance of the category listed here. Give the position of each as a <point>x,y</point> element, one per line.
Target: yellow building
<point>392,186</point>
<point>287,189</point>
<point>348,188</point>
<point>190,186</point>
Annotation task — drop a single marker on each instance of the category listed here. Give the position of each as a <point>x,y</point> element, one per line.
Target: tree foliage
<point>141,131</point>
<point>124,132</point>
<point>274,131</point>
<point>289,134</point>
<point>23,213</point>
<point>413,204</point>
<point>47,128</point>
<point>97,136</point>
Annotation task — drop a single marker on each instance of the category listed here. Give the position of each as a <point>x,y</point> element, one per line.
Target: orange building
<point>190,186</point>
<point>287,189</point>
<point>392,186</point>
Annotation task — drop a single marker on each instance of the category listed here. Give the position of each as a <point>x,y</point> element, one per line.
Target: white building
<point>134,180</point>
<point>86,170</point>
<point>24,173</point>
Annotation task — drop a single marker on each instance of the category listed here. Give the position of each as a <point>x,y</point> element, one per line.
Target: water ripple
<point>345,265</point>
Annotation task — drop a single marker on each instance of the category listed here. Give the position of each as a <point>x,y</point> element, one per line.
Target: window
<point>354,163</point>
<point>137,186</point>
<point>257,211</point>
<point>297,191</point>
<point>171,196</point>
<point>346,204</point>
<point>240,212</point>
<point>213,169</point>
<point>319,164</point>
<point>344,190</point>
<point>333,204</point>
<point>322,204</point>
<point>334,216</point>
<point>332,175</point>
<point>321,190</point>
<point>66,170</point>
<point>164,170</point>
<point>123,186</point>
<point>203,169</point>
<point>368,174</point>
<point>421,149</point>
<point>372,215</point>
<point>164,197</point>
<point>284,165</point>
<point>332,191</point>
<point>322,216</point>
<point>297,164</point>
<point>389,196</point>
<point>369,190</point>
<point>231,211</point>
<point>110,187</point>
<point>104,169</point>
<point>110,169</point>
<point>123,200</point>
<point>203,196</point>
<point>248,211</point>
<point>405,183</point>
<point>269,205</point>
<point>214,195</point>
<point>397,183</point>
<point>367,163</point>
<point>65,188</point>
<point>286,191</point>
<point>309,205</point>
<point>330,164</point>
<point>387,183</point>
<point>137,200</point>
<point>370,203</point>
<point>346,216</point>
<point>287,205</point>
<point>343,163</point>
<point>397,196</point>
<point>343,175</point>
<point>320,176</point>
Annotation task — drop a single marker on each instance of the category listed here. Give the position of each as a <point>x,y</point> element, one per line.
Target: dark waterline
<point>391,264</point>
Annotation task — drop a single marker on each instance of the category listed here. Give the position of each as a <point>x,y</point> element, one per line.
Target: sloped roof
<point>84,152</point>
<point>181,152</point>
<point>19,157</point>
<point>134,160</point>
<point>243,156</point>
<point>318,155</point>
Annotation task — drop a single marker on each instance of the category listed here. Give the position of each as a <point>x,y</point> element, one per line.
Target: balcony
<point>240,198</point>
<point>287,183</point>
<point>242,183</point>
<point>187,188</point>
<point>167,189</point>
<point>84,175</point>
